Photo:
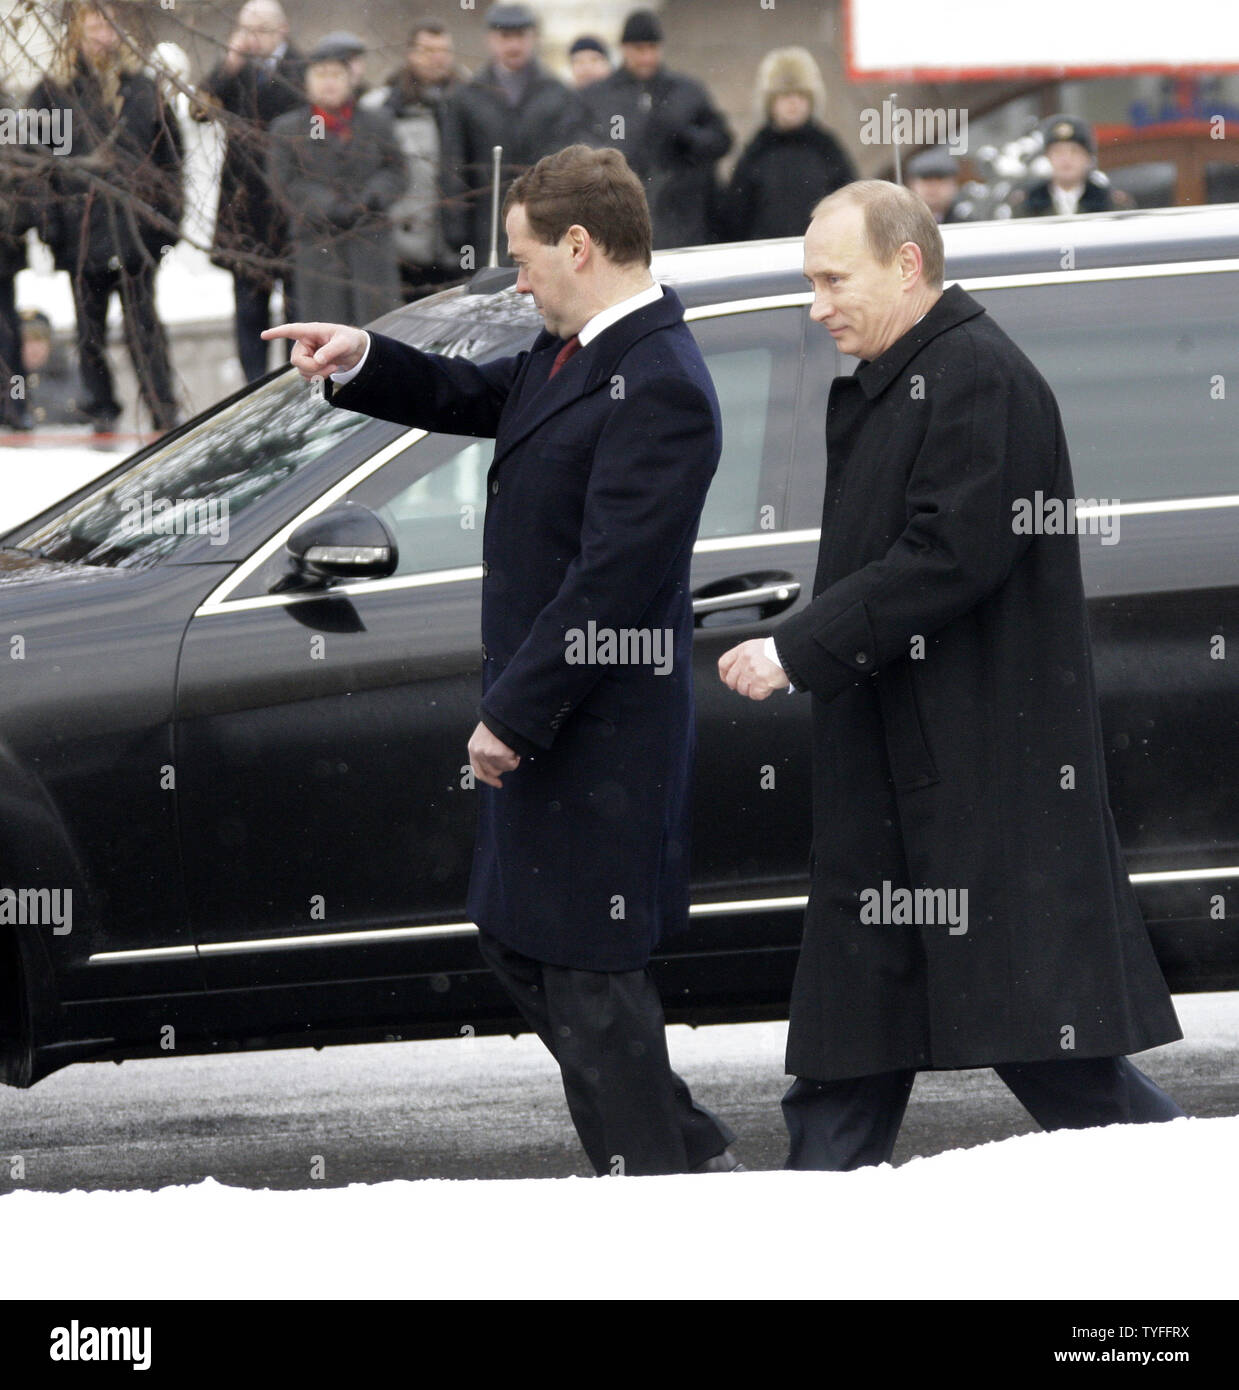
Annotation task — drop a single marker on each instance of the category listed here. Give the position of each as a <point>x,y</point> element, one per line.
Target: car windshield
<point>229,459</point>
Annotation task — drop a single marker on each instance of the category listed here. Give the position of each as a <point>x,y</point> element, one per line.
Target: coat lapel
<point>953,306</point>
<point>542,396</point>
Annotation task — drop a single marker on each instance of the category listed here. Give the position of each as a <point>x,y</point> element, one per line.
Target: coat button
<point>860,658</point>
<point>485,569</point>
<point>485,657</point>
<point>494,487</point>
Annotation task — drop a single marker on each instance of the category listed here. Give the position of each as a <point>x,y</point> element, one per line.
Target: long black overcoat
<point>673,136</point>
<point>977,765</point>
<point>250,220</point>
<point>593,502</point>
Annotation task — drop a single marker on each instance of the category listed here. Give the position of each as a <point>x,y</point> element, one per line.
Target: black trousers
<point>840,1125</point>
<point>144,338</point>
<point>253,315</point>
<point>606,1030</point>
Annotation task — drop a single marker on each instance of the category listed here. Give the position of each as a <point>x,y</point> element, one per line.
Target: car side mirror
<point>347,541</point>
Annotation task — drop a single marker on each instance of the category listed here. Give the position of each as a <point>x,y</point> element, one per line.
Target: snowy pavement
<point>1139,1211</point>
<point>1126,1212</point>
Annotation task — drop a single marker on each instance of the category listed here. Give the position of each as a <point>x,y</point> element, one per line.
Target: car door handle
<point>771,593</point>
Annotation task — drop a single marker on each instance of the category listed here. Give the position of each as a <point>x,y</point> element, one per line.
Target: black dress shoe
<point>726,1162</point>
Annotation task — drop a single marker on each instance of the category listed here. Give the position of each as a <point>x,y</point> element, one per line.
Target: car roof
<point>1016,246</point>
<point>735,271</point>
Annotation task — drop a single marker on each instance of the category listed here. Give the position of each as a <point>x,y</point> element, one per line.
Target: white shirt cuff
<point>343,378</point>
<point>772,655</point>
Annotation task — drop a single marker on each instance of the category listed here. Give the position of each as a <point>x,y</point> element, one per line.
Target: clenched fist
<point>747,670</point>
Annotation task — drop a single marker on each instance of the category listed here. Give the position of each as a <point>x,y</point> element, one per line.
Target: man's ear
<point>579,240</point>
<point>911,262</point>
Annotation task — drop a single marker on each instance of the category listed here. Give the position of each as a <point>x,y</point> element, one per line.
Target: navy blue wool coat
<point>593,503</point>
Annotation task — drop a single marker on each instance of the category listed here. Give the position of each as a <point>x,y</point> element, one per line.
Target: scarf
<point>338,123</point>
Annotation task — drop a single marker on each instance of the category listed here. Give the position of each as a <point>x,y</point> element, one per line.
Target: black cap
<point>510,17</point>
<point>587,42</point>
<point>933,164</point>
<point>1069,128</point>
<point>642,26</point>
<point>338,47</point>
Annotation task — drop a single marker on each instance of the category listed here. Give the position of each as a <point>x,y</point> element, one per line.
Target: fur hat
<point>789,70</point>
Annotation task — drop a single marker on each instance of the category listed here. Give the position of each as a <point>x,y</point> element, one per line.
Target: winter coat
<point>344,261</point>
<point>1037,200</point>
<point>672,135</point>
<point>478,117</point>
<point>956,737</point>
<point>117,198</point>
<point>593,503</point>
<point>779,178</point>
<point>248,219</point>
<point>417,215</point>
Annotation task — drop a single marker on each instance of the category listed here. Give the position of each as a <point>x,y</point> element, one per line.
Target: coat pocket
<point>912,764</point>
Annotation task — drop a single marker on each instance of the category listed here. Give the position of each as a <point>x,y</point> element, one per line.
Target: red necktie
<point>572,345</point>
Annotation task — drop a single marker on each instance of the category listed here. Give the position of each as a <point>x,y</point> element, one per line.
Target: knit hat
<point>642,26</point>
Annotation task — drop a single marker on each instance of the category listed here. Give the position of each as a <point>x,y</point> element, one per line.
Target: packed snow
<point>1128,1211</point>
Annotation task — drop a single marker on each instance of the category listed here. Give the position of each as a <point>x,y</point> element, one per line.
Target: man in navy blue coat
<point>607,435</point>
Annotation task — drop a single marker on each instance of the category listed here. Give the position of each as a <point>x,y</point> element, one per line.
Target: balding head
<point>873,254</point>
<point>266,22</point>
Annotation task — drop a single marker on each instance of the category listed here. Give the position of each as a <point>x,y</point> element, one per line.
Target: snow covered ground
<point>1126,1212</point>
<point>33,475</point>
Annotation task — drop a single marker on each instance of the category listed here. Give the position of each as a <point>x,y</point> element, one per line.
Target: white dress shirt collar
<point>615,312</point>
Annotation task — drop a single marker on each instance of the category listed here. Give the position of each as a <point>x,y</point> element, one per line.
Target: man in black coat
<point>969,905</point>
<point>607,435</point>
<point>669,129</point>
<point>513,102</point>
<point>260,77</point>
<point>1075,184</point>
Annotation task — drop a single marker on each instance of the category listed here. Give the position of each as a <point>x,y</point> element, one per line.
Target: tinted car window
<point>433,494</point>
<point>753,360</point>
<point>1135,365</point>
<point>200,479</point>
<point>229,459</point>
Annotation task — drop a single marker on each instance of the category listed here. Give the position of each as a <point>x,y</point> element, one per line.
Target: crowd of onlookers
<point>352,197</point>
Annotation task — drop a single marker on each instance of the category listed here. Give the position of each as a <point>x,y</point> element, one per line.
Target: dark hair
<point>593,188</point>
<point>893,215</point>
<point>428,25</point>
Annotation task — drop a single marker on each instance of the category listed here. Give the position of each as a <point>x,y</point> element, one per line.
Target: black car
<point>239,672</point>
